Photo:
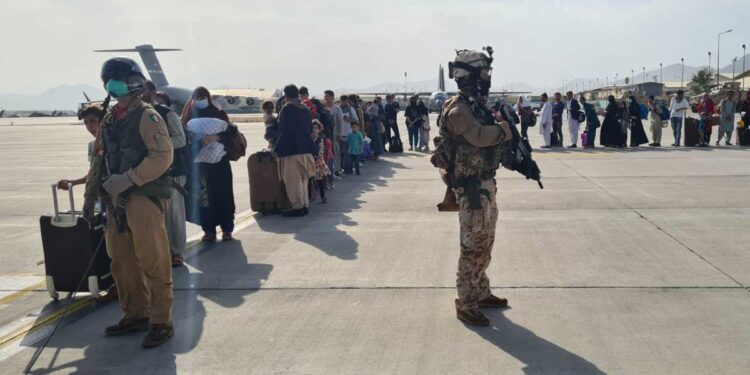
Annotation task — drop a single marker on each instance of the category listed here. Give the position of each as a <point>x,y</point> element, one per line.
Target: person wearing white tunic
<point>545,125</point>
<point>726,126</point>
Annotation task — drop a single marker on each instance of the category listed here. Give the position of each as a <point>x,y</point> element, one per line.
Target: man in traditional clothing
<point>726,125</point>
<point>545,127</point>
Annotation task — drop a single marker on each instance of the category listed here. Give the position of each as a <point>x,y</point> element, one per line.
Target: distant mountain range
<point>62,98</point>
<point>67,97</point>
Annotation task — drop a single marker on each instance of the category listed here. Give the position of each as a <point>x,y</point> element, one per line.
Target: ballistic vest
<point>124,149</point>
<point>457,155</point>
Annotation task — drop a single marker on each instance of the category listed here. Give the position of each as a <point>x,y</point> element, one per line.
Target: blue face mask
<point>116,88</point>
<point>201,104</point>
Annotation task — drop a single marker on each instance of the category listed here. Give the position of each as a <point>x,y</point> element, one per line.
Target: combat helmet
<point>125,70</point>
<point>472,70</point>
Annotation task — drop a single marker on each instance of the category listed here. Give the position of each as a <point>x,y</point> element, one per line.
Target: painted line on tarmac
<point>12,333</point>
<point>37,330</point>
<point>15,286</point>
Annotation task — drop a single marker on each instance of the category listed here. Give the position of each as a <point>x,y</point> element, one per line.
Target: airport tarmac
<point>632,261</point>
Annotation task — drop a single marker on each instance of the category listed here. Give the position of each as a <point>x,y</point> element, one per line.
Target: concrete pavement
<point>628,262</point>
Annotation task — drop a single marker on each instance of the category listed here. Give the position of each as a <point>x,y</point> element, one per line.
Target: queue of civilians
<point>320,141</point>
<point>626,117</point>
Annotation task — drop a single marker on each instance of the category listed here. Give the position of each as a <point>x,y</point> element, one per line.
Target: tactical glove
<point>507,136</point>
<point>89,203</point>
<point>117,183</point>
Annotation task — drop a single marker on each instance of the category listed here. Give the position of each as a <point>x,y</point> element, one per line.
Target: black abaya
<point>611,132</point>
<point>637,133</point>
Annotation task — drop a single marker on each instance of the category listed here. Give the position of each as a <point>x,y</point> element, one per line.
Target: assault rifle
<point>517,157</point>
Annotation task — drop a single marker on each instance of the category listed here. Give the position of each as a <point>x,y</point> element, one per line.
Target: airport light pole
<point>718,54</point>
<point>643,81</point>
<point>661,73</point>
<point>632,77</point>
<point>709,61</point>
<point>743,66</point>
<point>734,61</point>
<point>682,77</point>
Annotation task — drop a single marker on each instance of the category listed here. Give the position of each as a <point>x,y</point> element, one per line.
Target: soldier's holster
<point>449,203</point>
<point>472,192</point>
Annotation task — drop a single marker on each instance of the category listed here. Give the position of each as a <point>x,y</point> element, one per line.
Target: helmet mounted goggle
<point>477,72</point>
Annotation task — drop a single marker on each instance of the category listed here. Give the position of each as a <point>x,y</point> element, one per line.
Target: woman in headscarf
<point>523,108</point>
<point>424,130</point>
<point>373,129</point>
<point>637,133</point>
<point>211,184</point>
<point>611,133</point>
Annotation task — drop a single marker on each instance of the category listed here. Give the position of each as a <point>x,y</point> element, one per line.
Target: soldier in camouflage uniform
<point>468,157</point>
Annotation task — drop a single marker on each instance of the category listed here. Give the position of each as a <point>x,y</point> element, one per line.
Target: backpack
<point>581,117</point>
<point>528,119</point>
<point>664,113</point>
<point>396,145</point>
<point>644,111</point>
<point>326,119</point>
<point>237,143</point>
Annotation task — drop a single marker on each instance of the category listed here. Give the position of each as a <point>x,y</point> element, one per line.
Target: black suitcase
<point>691,132</point>
<point>69,243</point>
<point>743,136</point>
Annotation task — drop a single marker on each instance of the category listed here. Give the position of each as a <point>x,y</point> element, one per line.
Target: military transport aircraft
<point>232,101</point>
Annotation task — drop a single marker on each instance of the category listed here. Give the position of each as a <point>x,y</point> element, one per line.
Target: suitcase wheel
<point>51,288</point>
<point>93,285</point>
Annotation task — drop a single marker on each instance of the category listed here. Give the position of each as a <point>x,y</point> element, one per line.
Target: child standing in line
<point>321,169</point>
<point>270,122</point>
<point>355,140</point>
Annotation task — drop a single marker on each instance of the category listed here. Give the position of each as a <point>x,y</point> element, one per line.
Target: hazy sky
<point>330,44</point>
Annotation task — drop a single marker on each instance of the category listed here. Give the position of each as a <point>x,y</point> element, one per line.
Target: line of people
<point>320,141</point>
<point>623,118</point>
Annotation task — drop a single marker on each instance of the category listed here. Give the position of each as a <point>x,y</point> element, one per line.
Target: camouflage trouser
<point>477,238</point>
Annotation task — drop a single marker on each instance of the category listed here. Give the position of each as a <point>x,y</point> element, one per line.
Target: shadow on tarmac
<point>539,355</point>
<point>217,266</point>
<point>345,198</point>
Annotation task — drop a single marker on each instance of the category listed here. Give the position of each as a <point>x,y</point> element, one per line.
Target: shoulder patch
<point>154,118</point>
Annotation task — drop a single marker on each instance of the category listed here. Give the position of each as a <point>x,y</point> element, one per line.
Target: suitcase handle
<point>70,196</point>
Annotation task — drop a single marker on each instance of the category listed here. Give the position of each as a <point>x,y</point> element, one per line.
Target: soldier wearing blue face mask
<point>129,171</point>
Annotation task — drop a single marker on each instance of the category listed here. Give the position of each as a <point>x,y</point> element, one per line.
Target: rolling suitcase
<point>691,132</point>
<point>743,136</point>
<point>267,192</point>
<point>69,243</point>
